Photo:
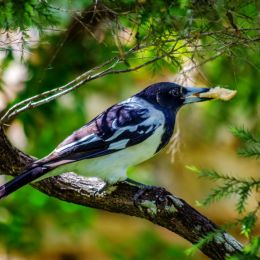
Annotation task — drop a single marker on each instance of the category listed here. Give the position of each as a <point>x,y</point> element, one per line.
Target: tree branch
<point>94,73</point>
<point>178,44</point>
<point>156,204</point>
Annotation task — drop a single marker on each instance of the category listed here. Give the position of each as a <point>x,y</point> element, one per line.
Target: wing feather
<point>120,126</point>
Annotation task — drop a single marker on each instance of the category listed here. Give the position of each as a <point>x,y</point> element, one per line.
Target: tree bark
<point>154,203</point>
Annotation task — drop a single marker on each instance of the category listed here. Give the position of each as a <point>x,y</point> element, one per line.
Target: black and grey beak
<point>191,95</point>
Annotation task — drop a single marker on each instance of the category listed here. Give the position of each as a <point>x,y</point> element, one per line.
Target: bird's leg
<point>134,183</point>
<point>142,189</point>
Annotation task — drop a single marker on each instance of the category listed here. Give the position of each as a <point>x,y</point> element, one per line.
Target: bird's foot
<point>142,190</point>
<point>140,193</point>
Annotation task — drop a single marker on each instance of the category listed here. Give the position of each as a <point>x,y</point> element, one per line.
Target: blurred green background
<point>59,40</point>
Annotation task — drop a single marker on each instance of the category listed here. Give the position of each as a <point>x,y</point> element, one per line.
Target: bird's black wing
<point>120,126</point>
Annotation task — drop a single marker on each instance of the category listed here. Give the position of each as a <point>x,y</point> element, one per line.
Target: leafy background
<point>46,44</point>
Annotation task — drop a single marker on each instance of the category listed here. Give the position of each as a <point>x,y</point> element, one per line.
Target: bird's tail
<point>26,177</point>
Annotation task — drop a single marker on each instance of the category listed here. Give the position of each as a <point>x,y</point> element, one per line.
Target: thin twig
<point>109,65</point>
<point>87,76</point>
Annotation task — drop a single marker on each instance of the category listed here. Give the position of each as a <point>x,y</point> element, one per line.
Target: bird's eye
<point>175,92</point>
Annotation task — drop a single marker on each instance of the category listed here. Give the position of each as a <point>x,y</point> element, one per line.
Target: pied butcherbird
<point>124,135</point>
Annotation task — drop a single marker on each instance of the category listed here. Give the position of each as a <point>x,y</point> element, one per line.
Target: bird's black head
<point>171,96</point>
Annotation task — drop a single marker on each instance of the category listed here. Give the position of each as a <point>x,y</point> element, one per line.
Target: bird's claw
<point>138,196</point>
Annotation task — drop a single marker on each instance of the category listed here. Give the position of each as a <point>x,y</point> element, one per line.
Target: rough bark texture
<point>154,204</point>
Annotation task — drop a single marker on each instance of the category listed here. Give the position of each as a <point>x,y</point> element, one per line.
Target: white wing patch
<point>118,145</point>
<point>85,139</point>
<point>120,130</point>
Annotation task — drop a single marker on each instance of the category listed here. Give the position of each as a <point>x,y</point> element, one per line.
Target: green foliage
<point>147,245</point>
<point>251,251</point>
<point>22,219</point>
<point>248,223</point>
<point>243,134</point>
<point>22,14</point>
<point>231,186</point>
<point>250,151</point>
<point>240,188</point>
<point>206,239</point>
<point>252,148</point>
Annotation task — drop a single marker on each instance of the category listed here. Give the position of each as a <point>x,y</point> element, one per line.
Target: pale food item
<point>219,93</point>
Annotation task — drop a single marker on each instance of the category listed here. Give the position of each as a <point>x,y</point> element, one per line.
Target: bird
<point>124,135</point>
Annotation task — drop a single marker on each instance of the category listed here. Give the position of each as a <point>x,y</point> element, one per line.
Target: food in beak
<point>218,93</point>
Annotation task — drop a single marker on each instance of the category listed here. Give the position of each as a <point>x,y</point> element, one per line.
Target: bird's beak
<point>191,95</point>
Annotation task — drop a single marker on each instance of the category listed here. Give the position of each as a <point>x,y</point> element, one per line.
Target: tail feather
<point>21,180</point>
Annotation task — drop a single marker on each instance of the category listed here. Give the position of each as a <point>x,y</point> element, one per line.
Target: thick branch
<point>156,204</point>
